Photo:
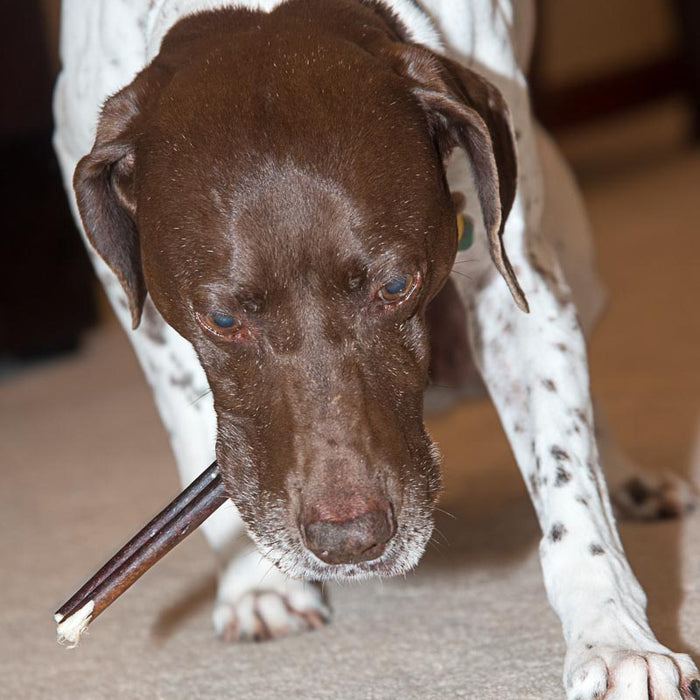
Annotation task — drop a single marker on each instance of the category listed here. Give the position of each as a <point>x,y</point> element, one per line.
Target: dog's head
<point>275,182</point>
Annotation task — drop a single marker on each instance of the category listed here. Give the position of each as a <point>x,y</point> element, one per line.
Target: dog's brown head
<point>275,182</point>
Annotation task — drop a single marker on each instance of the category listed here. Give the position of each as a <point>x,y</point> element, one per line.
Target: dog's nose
<point>350,541</point>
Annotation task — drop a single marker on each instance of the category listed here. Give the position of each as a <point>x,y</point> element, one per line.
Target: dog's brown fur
<point>281,168</point>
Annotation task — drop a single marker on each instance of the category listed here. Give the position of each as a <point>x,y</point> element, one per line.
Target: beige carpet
<point>85,463</point>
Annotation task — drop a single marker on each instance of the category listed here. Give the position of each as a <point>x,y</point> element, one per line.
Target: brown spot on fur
<point>591,472</point>
<point>563,476</point>
<point>557,532</point>
<point>184,381</point>
<point>549,385</point>
<point>559,453</point>
<point>581,416</point>
<point>152,323</point>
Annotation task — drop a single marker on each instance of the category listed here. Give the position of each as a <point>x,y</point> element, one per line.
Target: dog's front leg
<point>535,369</point>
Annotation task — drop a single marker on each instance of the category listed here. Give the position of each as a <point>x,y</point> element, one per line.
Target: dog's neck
<point>163,14</point>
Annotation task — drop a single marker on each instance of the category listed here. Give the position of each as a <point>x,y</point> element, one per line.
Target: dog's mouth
<point>286,548</point>
<point>383,537</point>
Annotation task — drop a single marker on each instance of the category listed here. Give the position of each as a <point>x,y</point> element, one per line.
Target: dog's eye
<point>220,324</point>
<point>397,289</point>
<point>223,320</point>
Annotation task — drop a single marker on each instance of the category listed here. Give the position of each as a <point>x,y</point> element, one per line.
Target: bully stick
<point>177,520</point>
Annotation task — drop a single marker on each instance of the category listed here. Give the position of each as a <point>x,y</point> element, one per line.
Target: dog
<point>279,198</point>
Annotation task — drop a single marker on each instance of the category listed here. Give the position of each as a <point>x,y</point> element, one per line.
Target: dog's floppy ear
<point>465,110</point>
<point>104,187</point>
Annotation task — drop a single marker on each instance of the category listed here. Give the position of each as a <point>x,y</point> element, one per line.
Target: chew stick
<point>177,520</point>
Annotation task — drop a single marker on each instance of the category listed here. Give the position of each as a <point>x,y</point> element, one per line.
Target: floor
<point>85,463</point>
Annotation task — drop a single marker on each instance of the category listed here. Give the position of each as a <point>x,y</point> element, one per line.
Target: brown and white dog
<point>272,196</point>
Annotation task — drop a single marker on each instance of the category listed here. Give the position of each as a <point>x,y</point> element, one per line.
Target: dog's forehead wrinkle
<point>283,213</point>
<point>287,250</point>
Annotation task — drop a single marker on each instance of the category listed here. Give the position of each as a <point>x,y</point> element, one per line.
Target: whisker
<point>200,397</point>
<point>435,547</point>
<point>269,568</point>
<point>436,531</point>
<point>443,386</point>
<point>451,515</point>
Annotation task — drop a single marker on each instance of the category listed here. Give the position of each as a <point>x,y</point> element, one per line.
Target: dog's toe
<point>256,602</point>
<point>589,681</point>
<point>606,673</point>
<point>650,496</point>
<point>264,615</point>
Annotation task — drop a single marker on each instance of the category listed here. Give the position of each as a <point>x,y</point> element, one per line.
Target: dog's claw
<point>264,615</point>
<point>257,602</point>
<point>314,619</point>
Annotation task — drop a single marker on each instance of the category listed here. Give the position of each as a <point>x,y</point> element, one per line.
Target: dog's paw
<point>259,616</point>
<point>650,496</point>
<point>256,602</point>
<point>608,673</point>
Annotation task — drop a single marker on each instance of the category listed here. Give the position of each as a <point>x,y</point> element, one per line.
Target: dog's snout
<point>362,538</point>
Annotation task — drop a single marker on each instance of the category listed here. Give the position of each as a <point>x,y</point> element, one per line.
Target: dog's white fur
<point>533,365</point>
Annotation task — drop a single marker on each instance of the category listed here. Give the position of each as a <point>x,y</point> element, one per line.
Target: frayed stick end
<point>71,628</point>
